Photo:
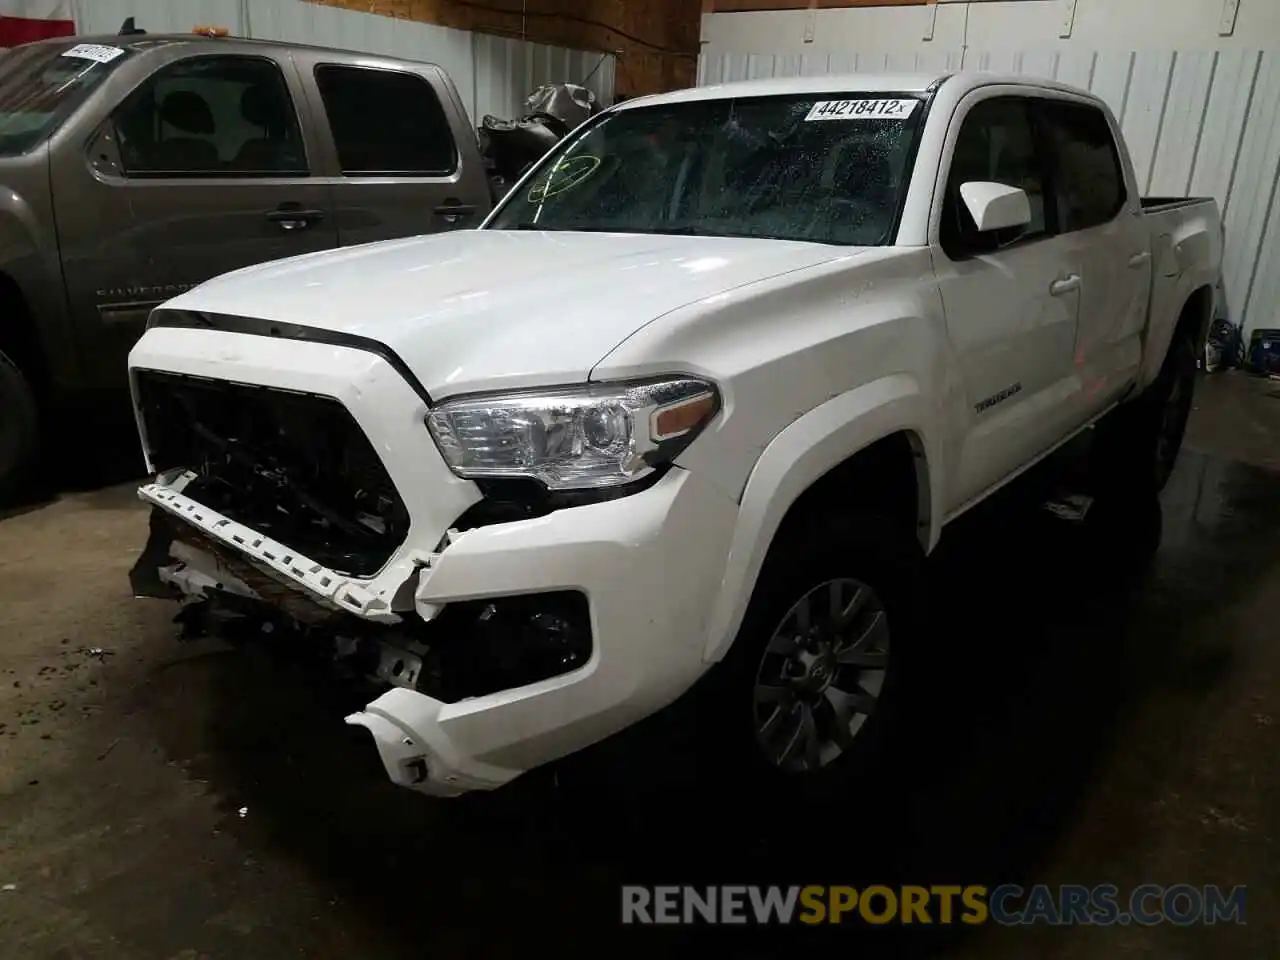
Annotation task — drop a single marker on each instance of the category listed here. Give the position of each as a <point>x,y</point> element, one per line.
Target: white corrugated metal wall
<point>1198,121</point>
<point>493,74</point>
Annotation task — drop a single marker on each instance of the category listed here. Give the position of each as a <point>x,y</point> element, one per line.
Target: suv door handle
<point>291,216</point>
<point>1065,285</point>
<point>453,211</point>
<point>1140,259</point>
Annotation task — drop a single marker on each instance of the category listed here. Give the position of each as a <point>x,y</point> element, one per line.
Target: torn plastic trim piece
<point>416,752</point>
<point>286,564</point>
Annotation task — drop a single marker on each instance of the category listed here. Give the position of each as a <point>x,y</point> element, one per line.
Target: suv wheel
<point>19,429</point>
<point>809,694</point>
<point>820,675</point>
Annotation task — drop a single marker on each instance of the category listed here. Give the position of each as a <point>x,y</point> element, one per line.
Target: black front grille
<point>293,466</point>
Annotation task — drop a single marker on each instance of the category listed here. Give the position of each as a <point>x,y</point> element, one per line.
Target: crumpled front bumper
<point>649,586</point>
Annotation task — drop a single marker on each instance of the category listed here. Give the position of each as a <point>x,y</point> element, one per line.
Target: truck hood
<point>481,310</point>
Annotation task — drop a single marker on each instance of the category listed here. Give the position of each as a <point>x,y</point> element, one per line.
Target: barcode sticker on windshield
<point>94,51</point>
<point>862,110</point>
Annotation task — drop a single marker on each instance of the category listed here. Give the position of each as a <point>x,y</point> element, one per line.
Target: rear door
<point>201,168</point>
<point>393,158</point>
<point>1011,300</point>
<point>1108,241</point>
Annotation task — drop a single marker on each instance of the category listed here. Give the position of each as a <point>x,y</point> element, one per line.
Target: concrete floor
<point>1104,710</point>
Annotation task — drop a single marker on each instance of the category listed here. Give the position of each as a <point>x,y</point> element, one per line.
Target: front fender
<point>801,454</point>
<point>29,257</point>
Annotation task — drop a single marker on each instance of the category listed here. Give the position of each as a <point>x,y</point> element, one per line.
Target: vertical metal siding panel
<point>1039,63</point>
<point>787,66</point>
<point>1148,87</point>
<point>992,61</point>
<point>1251,202</point>
<point>1111,79</point>
<point>736,68</point>
<point>1180,133</point>
<point>934,59</point>
<point>1075,68</point>
<point>1264,301</point>
<point>761,67</point>
<point>1224,122</point>
<point>899,62</point>
<point>815,65</point>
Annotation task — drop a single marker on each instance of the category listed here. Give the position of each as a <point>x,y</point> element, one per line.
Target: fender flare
<point>1180,255</point>
<point>805,451</point>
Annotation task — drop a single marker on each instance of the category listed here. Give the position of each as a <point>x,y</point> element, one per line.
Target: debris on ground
<point>9,887</point>
<point>99,653</point>
<point>244,812</point>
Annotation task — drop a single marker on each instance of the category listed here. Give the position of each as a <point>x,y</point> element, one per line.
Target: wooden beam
<point>744,6</point>
<point>657,41</point>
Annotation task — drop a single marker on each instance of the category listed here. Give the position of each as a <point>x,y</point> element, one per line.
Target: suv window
<point>1088,179</point>
<point>41,84</point>
<point>386,123</point>
<point>998,144</point>
<point>212,117</point>
<point>816,169</point>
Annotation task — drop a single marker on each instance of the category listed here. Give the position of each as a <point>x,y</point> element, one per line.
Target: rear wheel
<point>809,694</point>
<point>1137,445</point>
<point>19,430</point>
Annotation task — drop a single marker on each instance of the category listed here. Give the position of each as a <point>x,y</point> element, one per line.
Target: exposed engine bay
<point>292,466</point>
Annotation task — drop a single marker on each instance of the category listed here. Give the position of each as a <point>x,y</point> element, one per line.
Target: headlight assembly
<point>591,437</point>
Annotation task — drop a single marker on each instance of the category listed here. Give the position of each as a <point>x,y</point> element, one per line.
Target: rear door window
<point>1088,179</point>
<point>386,123</point>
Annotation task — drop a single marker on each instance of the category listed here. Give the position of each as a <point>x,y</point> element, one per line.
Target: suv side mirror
<point>995,206</point>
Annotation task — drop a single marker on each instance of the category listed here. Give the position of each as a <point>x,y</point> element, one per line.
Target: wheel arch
<point>875,442</point>
<point>19,337</point>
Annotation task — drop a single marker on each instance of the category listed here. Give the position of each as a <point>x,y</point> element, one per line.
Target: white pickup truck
<point>686,413</point>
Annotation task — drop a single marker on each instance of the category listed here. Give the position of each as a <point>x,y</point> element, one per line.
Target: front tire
<point>809,696</point>
<point>19,430</point>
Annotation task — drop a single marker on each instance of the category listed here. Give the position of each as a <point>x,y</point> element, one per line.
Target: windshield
<point>809,168</point>
<point>42,83</point>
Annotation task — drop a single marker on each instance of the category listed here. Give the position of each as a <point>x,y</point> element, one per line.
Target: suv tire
<point>19,430</point>
<point>838,689</point>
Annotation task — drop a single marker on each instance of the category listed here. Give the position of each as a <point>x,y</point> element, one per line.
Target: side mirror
<point>995,206</point>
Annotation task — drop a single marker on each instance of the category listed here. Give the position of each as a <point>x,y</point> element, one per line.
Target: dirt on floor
<point>1102,706</point>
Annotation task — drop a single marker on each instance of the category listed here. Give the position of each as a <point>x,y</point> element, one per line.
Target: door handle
<point>293,217</point>
<point>1140,259</point>
<point>453,211</point>
<point>1065,285</point>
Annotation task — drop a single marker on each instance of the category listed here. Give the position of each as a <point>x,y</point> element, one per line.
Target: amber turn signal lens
<point>682,417</point>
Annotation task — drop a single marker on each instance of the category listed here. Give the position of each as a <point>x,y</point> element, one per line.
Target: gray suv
<point>136,167</point>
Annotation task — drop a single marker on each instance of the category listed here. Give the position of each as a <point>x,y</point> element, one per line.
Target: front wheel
<point>1137,445</point>
<point>809,694</point>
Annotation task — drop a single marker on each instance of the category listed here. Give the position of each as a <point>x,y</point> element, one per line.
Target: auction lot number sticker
<point>862,110</point>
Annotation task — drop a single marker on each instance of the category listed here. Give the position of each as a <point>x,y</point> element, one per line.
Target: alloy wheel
<point>821,675</point>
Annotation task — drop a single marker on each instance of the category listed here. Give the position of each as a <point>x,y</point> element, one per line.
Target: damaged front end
<point>272,516</point>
